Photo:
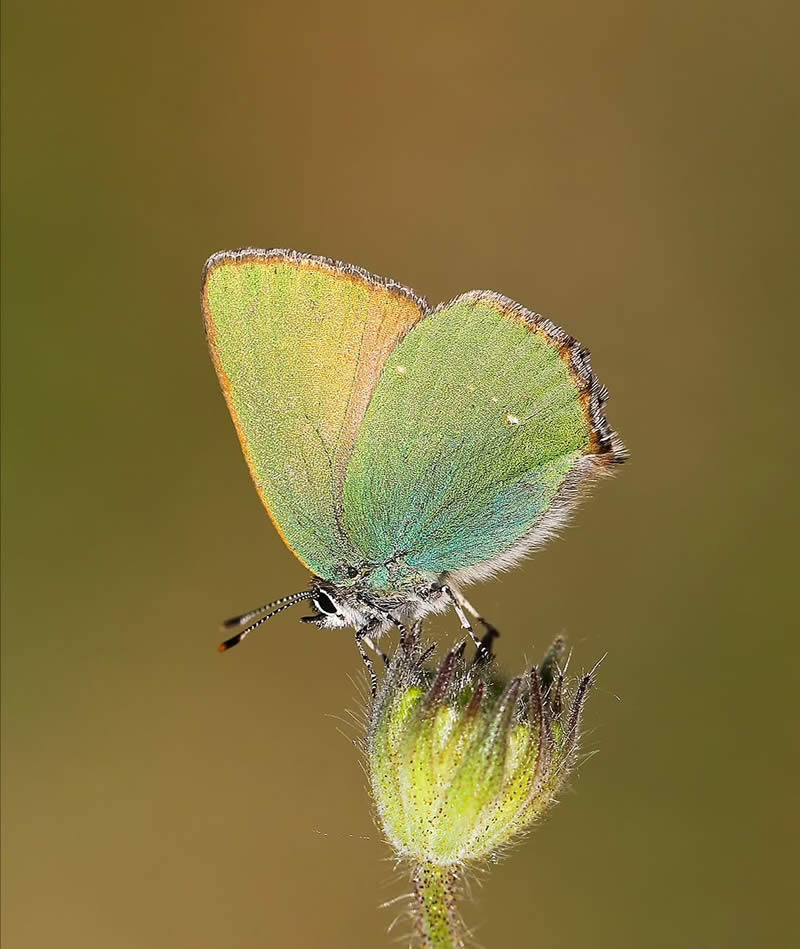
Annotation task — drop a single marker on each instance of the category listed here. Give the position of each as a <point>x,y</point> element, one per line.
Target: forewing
<point>299,343</point>
<point>483,425</point>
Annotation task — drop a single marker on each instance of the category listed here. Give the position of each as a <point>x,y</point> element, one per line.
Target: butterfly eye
<point>324,603</point>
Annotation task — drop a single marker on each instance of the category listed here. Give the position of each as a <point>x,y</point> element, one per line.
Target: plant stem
<point>437,917</point>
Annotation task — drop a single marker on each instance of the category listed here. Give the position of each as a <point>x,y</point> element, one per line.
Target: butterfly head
<point>336,607</point>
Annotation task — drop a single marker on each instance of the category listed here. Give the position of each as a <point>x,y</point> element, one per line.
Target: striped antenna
<point>250,615</point>
<point>238,637</point>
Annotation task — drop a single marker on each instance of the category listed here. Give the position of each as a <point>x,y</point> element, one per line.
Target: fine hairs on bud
<point>462,761</point>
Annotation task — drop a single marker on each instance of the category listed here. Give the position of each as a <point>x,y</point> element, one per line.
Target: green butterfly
<point>401,451</point>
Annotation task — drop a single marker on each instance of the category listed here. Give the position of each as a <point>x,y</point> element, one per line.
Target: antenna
<point>250,615</point>
<point>287,601</point>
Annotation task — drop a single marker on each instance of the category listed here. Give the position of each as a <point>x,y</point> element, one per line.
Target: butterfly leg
<point>379,652</point>
<point>373,679</point>
<point>396,623</point>
<point>363,636</point>
<point>413,636</point>
<point>485,650</point>
<point>462,616</point>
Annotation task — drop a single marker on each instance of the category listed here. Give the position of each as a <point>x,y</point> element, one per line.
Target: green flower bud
<point>461,762</point>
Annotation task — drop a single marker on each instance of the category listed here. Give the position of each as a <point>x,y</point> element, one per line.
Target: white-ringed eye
<point>324,603</point>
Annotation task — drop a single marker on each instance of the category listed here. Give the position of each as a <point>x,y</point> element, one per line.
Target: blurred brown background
<point>626,168</point>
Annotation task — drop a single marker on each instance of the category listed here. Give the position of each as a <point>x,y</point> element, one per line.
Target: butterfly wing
<point>485,422</point>
<point>298,343</point>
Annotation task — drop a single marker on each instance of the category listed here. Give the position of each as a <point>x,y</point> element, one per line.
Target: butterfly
<point>402,451</point>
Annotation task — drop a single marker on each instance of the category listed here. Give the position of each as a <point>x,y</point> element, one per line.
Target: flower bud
<point>461,760</point>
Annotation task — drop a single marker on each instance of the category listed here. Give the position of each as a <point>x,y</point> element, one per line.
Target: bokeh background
<point>628,169</point>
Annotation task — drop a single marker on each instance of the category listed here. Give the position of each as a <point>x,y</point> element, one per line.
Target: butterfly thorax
<point>378,598</point>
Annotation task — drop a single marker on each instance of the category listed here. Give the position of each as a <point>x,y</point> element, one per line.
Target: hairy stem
<point>435,907</point>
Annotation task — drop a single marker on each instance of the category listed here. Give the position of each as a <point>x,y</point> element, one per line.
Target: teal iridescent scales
<point>473,431</point>
<point>393,441</point>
